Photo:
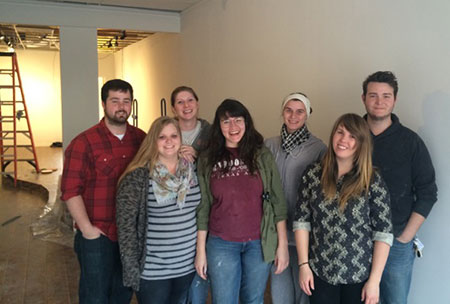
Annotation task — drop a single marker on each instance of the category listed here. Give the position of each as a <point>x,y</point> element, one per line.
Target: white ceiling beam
<point>45,13</point>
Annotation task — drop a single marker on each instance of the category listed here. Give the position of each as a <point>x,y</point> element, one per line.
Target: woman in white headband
<point>293,150</point>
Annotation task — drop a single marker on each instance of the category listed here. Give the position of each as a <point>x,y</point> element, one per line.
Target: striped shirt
<point>171,236</point>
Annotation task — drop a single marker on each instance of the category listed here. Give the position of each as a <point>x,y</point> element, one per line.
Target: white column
<point>79,80</point>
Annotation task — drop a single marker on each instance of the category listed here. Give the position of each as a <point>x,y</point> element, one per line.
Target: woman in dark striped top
<point>156,202</point>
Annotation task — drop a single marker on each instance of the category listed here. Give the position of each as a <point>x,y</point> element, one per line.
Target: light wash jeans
<point>396,279</point>
<point>284,287</point>
<point>198,292</point>
<point>237,271</point>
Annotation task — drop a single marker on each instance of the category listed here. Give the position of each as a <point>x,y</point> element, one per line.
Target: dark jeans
<point>170,291</point>
<point>325,293</point>
<point>101,271</point>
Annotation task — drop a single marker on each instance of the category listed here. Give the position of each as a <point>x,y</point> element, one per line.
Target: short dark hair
<point>249,145</point>
<point>382,76</point>
<point>181,89</point>
<point>116,85</point>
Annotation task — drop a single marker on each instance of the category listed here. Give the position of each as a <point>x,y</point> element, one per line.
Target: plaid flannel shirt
<point>93,162</point>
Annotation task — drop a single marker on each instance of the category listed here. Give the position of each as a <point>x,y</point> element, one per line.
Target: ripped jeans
<point>237,271</point>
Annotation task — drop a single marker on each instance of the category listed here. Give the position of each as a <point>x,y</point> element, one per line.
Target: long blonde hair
<point>360,176</point>
<point>147,155</point>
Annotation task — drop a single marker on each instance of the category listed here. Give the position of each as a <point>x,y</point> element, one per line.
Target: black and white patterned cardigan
<point>131,218</point>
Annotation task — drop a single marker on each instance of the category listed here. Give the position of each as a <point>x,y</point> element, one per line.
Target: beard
<point>119,118</point>
<point>378,117</point>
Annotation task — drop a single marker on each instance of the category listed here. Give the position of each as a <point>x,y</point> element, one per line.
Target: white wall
<point>153,70</point>
<point>260,50</point>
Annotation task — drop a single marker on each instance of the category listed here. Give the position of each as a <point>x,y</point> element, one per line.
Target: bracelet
<point>304,263</point>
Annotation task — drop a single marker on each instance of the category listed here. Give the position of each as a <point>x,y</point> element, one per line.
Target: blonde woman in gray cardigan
<point>156,217</point>
<point>293,150</point>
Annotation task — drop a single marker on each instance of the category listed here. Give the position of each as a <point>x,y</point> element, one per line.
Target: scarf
<point>167,186</point>
<point>290,141</point>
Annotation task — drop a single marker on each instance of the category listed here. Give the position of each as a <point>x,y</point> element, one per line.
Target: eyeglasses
<point>238,121</point>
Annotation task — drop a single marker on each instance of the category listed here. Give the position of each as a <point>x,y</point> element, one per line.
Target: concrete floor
<point>33,270</point>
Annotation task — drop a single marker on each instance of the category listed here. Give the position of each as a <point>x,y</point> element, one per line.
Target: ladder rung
<point>3,138</point>
<point>11,120</point>
<point>17,131</point>
<point>19,159</point>
<point>17,146</point>
<point>9,86</point>
<point>10,102</point>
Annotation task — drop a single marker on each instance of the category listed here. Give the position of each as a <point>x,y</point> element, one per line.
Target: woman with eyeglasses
<point>242,209</point>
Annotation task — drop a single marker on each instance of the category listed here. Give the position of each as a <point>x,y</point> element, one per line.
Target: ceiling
<point>20,36</point>
<point>164,5</point>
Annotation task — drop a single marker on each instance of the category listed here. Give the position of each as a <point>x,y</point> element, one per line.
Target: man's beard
<point>117,119</point>
<point>378,118</point>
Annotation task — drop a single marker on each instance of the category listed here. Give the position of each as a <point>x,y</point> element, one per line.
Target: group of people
<point>191,208</point>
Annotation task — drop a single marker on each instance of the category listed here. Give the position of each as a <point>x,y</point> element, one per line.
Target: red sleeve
<point>74,172</point>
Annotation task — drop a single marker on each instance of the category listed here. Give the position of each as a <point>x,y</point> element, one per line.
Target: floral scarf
<point>167,186</point>
<point>291,141</point>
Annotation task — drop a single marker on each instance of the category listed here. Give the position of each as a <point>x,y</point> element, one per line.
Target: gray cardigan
<point>291,167</point>
<point>131,218</point>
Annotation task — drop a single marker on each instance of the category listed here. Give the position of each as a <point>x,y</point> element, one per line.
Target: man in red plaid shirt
<point>93,162</point>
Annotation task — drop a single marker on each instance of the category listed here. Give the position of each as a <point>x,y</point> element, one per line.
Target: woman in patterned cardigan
<point>156,217</point>
<point>343,226</point>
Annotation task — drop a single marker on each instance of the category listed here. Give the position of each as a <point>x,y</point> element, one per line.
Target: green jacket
<point>274,203</point>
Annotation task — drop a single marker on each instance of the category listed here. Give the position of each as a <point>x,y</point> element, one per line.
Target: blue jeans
<point>237,271</point>
<point>169,291</point>
<point>100,271</point>
<point>396,279</point>
<point>198,293</point>
<point>284,287</point>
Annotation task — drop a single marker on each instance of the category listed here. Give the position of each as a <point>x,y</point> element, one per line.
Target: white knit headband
<point>300,97</point>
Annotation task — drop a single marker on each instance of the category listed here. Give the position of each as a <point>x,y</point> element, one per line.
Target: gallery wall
<point>258,51</point>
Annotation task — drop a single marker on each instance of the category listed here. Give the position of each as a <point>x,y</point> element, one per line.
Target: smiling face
<point>294,115</point>
<point>168,142</point>
<point>185,106</point>
<point>117,107</point>
<point>379,100</point>
<point>344,144</point>
<point>233,129</point>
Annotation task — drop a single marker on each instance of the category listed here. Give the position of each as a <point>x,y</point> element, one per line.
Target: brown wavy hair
<point>357,181</point>
<point>250,144</point>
